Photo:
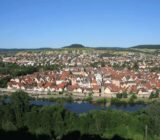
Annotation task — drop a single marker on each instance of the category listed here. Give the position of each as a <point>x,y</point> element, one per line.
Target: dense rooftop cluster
<point>88,71</point>
<point>104,81</point>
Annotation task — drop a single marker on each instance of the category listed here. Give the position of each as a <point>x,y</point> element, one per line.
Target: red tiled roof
<point>96,87</point>
<point>62,85</point>
<point>64,75</point>
<point>113,87</point>
<point>158,84</point>
<point>48,84</point>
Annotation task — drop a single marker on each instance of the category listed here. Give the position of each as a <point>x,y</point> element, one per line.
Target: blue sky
<point>57,23</point>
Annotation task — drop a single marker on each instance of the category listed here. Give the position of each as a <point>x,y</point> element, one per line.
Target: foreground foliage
<point>56,122</point>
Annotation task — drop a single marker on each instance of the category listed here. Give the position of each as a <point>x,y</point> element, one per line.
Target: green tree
<point>124,95</point>
<point>132,98</point>
<point>4,81</point>
<point>20,105</point>
<point>119,95</point>
<point>154,115</point>
<point>135,66</point>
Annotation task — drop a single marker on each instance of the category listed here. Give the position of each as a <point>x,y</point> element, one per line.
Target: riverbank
<point>62,98</point>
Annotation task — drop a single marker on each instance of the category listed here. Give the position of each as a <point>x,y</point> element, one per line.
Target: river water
<point>86,107</point>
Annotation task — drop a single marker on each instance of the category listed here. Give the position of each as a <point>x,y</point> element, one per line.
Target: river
<point>86,107</point>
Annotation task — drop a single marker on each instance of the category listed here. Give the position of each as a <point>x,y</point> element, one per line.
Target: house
<point>10,85</point>
<point>87,90</point>
<point>116,82</point>
<point>128,83</point>
<point>60,87</point>
<point>15,85</point>
<point>143,93</point>
<point>96,89</point>
<point>131,89</point>
<point>94,82</point>
<point>111,90</point>
<point>79,90</point>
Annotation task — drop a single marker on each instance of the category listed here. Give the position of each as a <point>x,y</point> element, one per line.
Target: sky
<point>93,23</point>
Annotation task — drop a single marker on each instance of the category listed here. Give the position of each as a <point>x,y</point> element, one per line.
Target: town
<point>89,72</point>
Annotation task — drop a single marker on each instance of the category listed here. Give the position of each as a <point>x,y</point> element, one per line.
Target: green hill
<point>75,46</point>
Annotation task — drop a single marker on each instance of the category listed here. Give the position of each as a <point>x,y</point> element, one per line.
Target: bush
<point>101,101</point>
<point>88,99</point>
<point>118,102</point>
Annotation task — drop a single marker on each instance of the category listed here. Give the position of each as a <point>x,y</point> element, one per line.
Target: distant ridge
<point>147,47</point>
<point>24,49</point>
<point>75,46</point>
<point>109,48</point>
<point>47,48</point>
<point>80,46</point>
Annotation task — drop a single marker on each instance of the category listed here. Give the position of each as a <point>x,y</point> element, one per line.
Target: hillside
<point>147,47</point>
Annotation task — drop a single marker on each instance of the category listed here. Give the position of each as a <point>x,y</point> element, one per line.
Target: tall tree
<point>20,105</point>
